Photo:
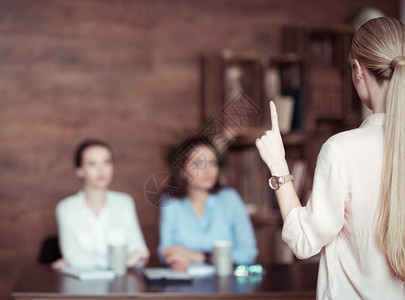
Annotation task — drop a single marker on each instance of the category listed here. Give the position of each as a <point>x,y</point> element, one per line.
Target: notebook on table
<point>89,274</point>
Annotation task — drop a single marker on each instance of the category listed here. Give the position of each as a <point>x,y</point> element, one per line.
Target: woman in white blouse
<point>356,214</point>
<point>95,217</point>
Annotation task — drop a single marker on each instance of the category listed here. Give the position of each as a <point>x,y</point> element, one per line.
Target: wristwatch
<point>276,181</point>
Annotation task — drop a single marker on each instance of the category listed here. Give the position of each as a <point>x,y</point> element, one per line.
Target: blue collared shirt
<point>224,218</point>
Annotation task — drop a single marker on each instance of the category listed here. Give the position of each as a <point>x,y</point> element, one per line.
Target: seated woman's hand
<point>59,264</point>
<point>180,258</point>
<point>178,262</point>
<point>138,257</point>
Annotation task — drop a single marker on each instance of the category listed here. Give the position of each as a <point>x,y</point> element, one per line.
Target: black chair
<point>49,250</point>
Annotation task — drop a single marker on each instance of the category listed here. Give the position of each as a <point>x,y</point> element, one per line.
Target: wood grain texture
<point>125,71</point>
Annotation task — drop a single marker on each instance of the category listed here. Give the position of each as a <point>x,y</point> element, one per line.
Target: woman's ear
<point>357,69</point>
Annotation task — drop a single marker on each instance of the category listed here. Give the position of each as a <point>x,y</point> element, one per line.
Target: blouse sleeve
<point>245,250</point>
<point>166,229</point>
<point>136,241</point>
<point>307,229</point>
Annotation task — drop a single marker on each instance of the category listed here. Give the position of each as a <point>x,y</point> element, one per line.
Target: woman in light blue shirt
<point>196,212</point>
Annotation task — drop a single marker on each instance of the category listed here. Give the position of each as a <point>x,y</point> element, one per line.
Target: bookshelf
<point>314,74</point>
<point>332,104</point>
<point>236,89</point>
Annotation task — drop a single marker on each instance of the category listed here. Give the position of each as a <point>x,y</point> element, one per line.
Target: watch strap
<point>285,179</point>
<point>207,257</point>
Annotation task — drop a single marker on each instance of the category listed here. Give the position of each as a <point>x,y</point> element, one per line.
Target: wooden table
<point>294,281</point>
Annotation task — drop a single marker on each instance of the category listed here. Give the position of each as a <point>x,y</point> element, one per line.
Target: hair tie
<point>399,61</point>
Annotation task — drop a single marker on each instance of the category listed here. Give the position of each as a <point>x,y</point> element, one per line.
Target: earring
<point>359,76</point>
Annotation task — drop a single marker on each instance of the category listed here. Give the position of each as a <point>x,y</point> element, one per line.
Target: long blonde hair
<point>379,46</point>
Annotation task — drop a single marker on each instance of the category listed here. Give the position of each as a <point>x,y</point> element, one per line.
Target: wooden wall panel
<point>125,71</point>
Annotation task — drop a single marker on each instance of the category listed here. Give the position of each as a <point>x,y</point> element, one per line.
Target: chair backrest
<point>49,250</point>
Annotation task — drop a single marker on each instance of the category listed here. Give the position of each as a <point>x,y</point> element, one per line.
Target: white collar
<point>374,119</point>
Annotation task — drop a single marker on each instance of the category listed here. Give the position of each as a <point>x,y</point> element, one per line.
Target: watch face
<point>274,183</point>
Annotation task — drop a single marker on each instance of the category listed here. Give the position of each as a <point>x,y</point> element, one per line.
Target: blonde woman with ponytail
<point>356,214</point>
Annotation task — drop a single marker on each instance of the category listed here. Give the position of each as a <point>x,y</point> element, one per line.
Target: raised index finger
<point>274,116</point>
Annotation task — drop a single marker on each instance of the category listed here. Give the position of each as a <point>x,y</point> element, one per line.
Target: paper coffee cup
<point>223,257</point>
<point>117,259</point>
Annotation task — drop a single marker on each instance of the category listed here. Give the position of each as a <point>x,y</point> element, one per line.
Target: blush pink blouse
<point>340,218</point>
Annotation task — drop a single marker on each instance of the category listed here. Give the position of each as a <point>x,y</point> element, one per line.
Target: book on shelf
<point>290,75</point>
<point>322,52</point>
<point>325,93</point>
<point>244,172</point>
<point>297,118</point>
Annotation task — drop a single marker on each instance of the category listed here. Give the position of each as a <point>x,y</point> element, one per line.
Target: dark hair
<point>178,184</point>
<point>78,158</point>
